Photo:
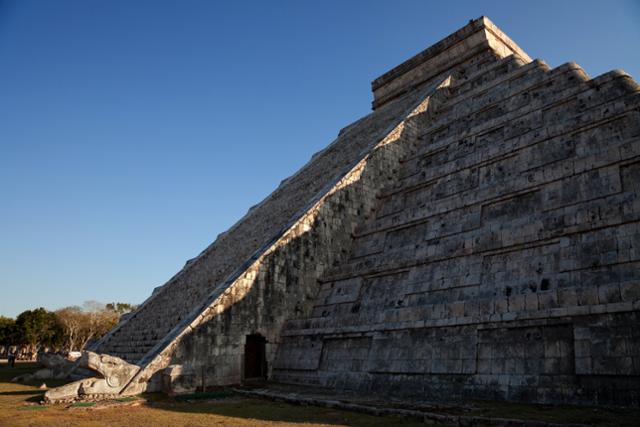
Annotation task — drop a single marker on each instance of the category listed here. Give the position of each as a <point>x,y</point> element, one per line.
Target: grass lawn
<point>18,407</point>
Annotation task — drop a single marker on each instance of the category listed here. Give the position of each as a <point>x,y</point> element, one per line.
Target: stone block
<point>608,293</point>
<point>548,300</point>
<point>630,291</point>
<point>517,303</point>
<point>587,296</point>
<point>531,302</point>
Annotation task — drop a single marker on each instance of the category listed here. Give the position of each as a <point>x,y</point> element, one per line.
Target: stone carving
<point>475,236</point>
<point>114,372</point>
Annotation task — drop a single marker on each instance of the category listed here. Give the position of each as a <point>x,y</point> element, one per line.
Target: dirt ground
<point>19,407</point>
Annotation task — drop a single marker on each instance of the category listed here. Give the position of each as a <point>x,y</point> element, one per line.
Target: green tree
<point>7,331</point>
<point>38,327</point>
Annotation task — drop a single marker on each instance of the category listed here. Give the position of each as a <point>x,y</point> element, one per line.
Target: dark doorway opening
<point>255,361</point>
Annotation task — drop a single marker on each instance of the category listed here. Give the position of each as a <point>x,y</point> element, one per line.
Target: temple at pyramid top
<point>478,35</point>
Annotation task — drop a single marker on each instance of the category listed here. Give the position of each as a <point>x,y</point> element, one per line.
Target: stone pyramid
<point>476,236</point>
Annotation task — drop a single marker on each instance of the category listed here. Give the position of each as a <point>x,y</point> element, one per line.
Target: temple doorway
<point>255,362</point>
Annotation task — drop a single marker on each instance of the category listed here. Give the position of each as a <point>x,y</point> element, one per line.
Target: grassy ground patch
<point>32,408</point>
<point>83,404</point>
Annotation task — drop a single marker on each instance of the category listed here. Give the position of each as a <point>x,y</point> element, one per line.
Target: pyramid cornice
<point>477,36</point>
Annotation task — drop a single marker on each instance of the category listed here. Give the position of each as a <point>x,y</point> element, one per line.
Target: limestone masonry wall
<point>476,236</point>
<point>503,262</point>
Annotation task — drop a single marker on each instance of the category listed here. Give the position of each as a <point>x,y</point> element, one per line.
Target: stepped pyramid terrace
<point>476,236</point>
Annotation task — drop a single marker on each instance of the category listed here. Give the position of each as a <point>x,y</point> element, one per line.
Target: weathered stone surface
<point>176,379</point>
<point>115,374</point>
<point>476,236</point>
<point>504,252</point>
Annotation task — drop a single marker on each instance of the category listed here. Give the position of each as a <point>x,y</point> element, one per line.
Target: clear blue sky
<point>133,132</point>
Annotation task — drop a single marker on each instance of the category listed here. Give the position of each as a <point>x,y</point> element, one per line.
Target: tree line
<point>67,329</point>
